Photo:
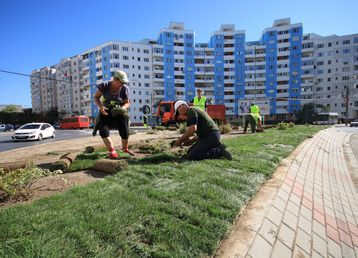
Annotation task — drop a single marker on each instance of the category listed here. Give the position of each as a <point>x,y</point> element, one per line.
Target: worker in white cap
<point>114,111</point>
<point>207,142</point>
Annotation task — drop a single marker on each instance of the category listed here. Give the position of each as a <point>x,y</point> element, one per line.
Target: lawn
<point>172,208</point>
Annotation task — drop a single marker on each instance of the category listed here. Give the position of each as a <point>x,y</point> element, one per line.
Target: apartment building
<point>43,90</point>
<point>281,71</point>
<point>336,70</point>
<point>77,78</point>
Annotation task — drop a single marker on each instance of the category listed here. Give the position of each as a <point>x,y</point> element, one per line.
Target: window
<point>329,44</point>
<point>125,57</point>
<point>146,51</point>
<point>346,42</point>
<point>124,48</point>
<point>346,51</point>
<point>355,40</point>
<point>146,59</point>
<point>321,45</point>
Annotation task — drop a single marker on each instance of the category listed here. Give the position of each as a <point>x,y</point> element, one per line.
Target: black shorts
<point>118,122</point>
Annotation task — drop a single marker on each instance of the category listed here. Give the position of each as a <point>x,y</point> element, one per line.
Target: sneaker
<point>113,154</point>
<point>129,152</point>
<point>225,153</point>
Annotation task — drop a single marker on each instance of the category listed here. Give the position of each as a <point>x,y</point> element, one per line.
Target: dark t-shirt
<point>111,99</point>
<point>205,124</point>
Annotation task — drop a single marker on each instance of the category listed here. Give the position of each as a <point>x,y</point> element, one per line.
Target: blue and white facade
<point>281,71</point>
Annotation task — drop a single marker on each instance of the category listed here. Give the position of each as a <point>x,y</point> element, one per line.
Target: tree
<point>307,114</point>
<point>10,108</point>
<point>51,116</point>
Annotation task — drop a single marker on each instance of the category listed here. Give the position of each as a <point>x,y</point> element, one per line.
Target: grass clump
<point>172,208</point>
<point>16,184</point>
<point>182,128</point>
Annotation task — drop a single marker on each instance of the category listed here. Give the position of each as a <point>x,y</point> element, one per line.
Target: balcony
<point>157,62</point>
<point>255,55</point>
<point>281,111</point>
<point>229,49</point>
<point>308,75</point>
<point>282,95</point>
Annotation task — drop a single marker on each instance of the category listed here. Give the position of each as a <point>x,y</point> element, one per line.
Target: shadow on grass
<point>96,174</point>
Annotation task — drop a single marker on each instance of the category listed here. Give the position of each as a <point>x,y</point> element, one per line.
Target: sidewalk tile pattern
<point>315,211</point>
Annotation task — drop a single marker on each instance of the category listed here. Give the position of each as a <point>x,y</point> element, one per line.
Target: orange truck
<point>166,113</point>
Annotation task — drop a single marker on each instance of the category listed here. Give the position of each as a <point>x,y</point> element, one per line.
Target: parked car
<point>2,127</point>
<point>354,123</point>
<point>34,131</point>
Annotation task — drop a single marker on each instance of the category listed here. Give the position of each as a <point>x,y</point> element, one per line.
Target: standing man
<point>207,142</point>
<point>114,111</point>
<point>199,101</point>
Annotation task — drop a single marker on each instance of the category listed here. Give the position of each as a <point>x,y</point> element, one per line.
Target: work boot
<point>112,154</point>
<point>224,152</point>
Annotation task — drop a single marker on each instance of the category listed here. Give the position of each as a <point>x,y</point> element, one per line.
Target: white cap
<point>178,104</point>
<point>121,76</point>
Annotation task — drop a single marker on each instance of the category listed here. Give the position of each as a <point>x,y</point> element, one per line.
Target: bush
<point>291,124</point>
<point>282,126</point>
<point>225,128</point>
<point>17,183</point>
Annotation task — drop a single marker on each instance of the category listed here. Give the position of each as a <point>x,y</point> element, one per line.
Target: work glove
<point>119,111</point>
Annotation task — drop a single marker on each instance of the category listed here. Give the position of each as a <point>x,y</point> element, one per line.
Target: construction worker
<point>207,142</point>
<point>253,118</point>
<point>199,101</point>
<point>114,111</point>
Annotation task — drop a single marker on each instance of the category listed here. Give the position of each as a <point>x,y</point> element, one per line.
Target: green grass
<point>167,209</point>
<point>86,160</point>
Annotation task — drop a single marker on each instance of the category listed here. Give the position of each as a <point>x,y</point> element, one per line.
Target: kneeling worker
<point>207,142</point>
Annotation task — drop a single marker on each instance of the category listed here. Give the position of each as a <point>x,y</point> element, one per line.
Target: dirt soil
<point>50,152</point>
<point>51,185</point>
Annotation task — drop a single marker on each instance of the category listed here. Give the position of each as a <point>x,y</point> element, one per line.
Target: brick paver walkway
<point>315,211</point>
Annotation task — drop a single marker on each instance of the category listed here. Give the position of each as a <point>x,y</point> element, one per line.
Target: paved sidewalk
<point>314,212</point>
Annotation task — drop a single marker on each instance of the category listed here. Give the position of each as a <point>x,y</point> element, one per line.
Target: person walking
<point>114,111</point>
<point>206,145</point>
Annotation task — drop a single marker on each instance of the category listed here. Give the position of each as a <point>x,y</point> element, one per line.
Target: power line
<point>33,76</point>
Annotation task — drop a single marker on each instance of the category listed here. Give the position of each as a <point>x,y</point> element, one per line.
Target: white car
<point>2,127</point>
<point>34,131</point>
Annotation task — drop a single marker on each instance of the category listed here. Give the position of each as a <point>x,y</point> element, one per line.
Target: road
<point>353,139</point>
<point>7,144</point>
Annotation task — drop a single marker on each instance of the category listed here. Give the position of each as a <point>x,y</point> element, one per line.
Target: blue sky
<point>39,33</point>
